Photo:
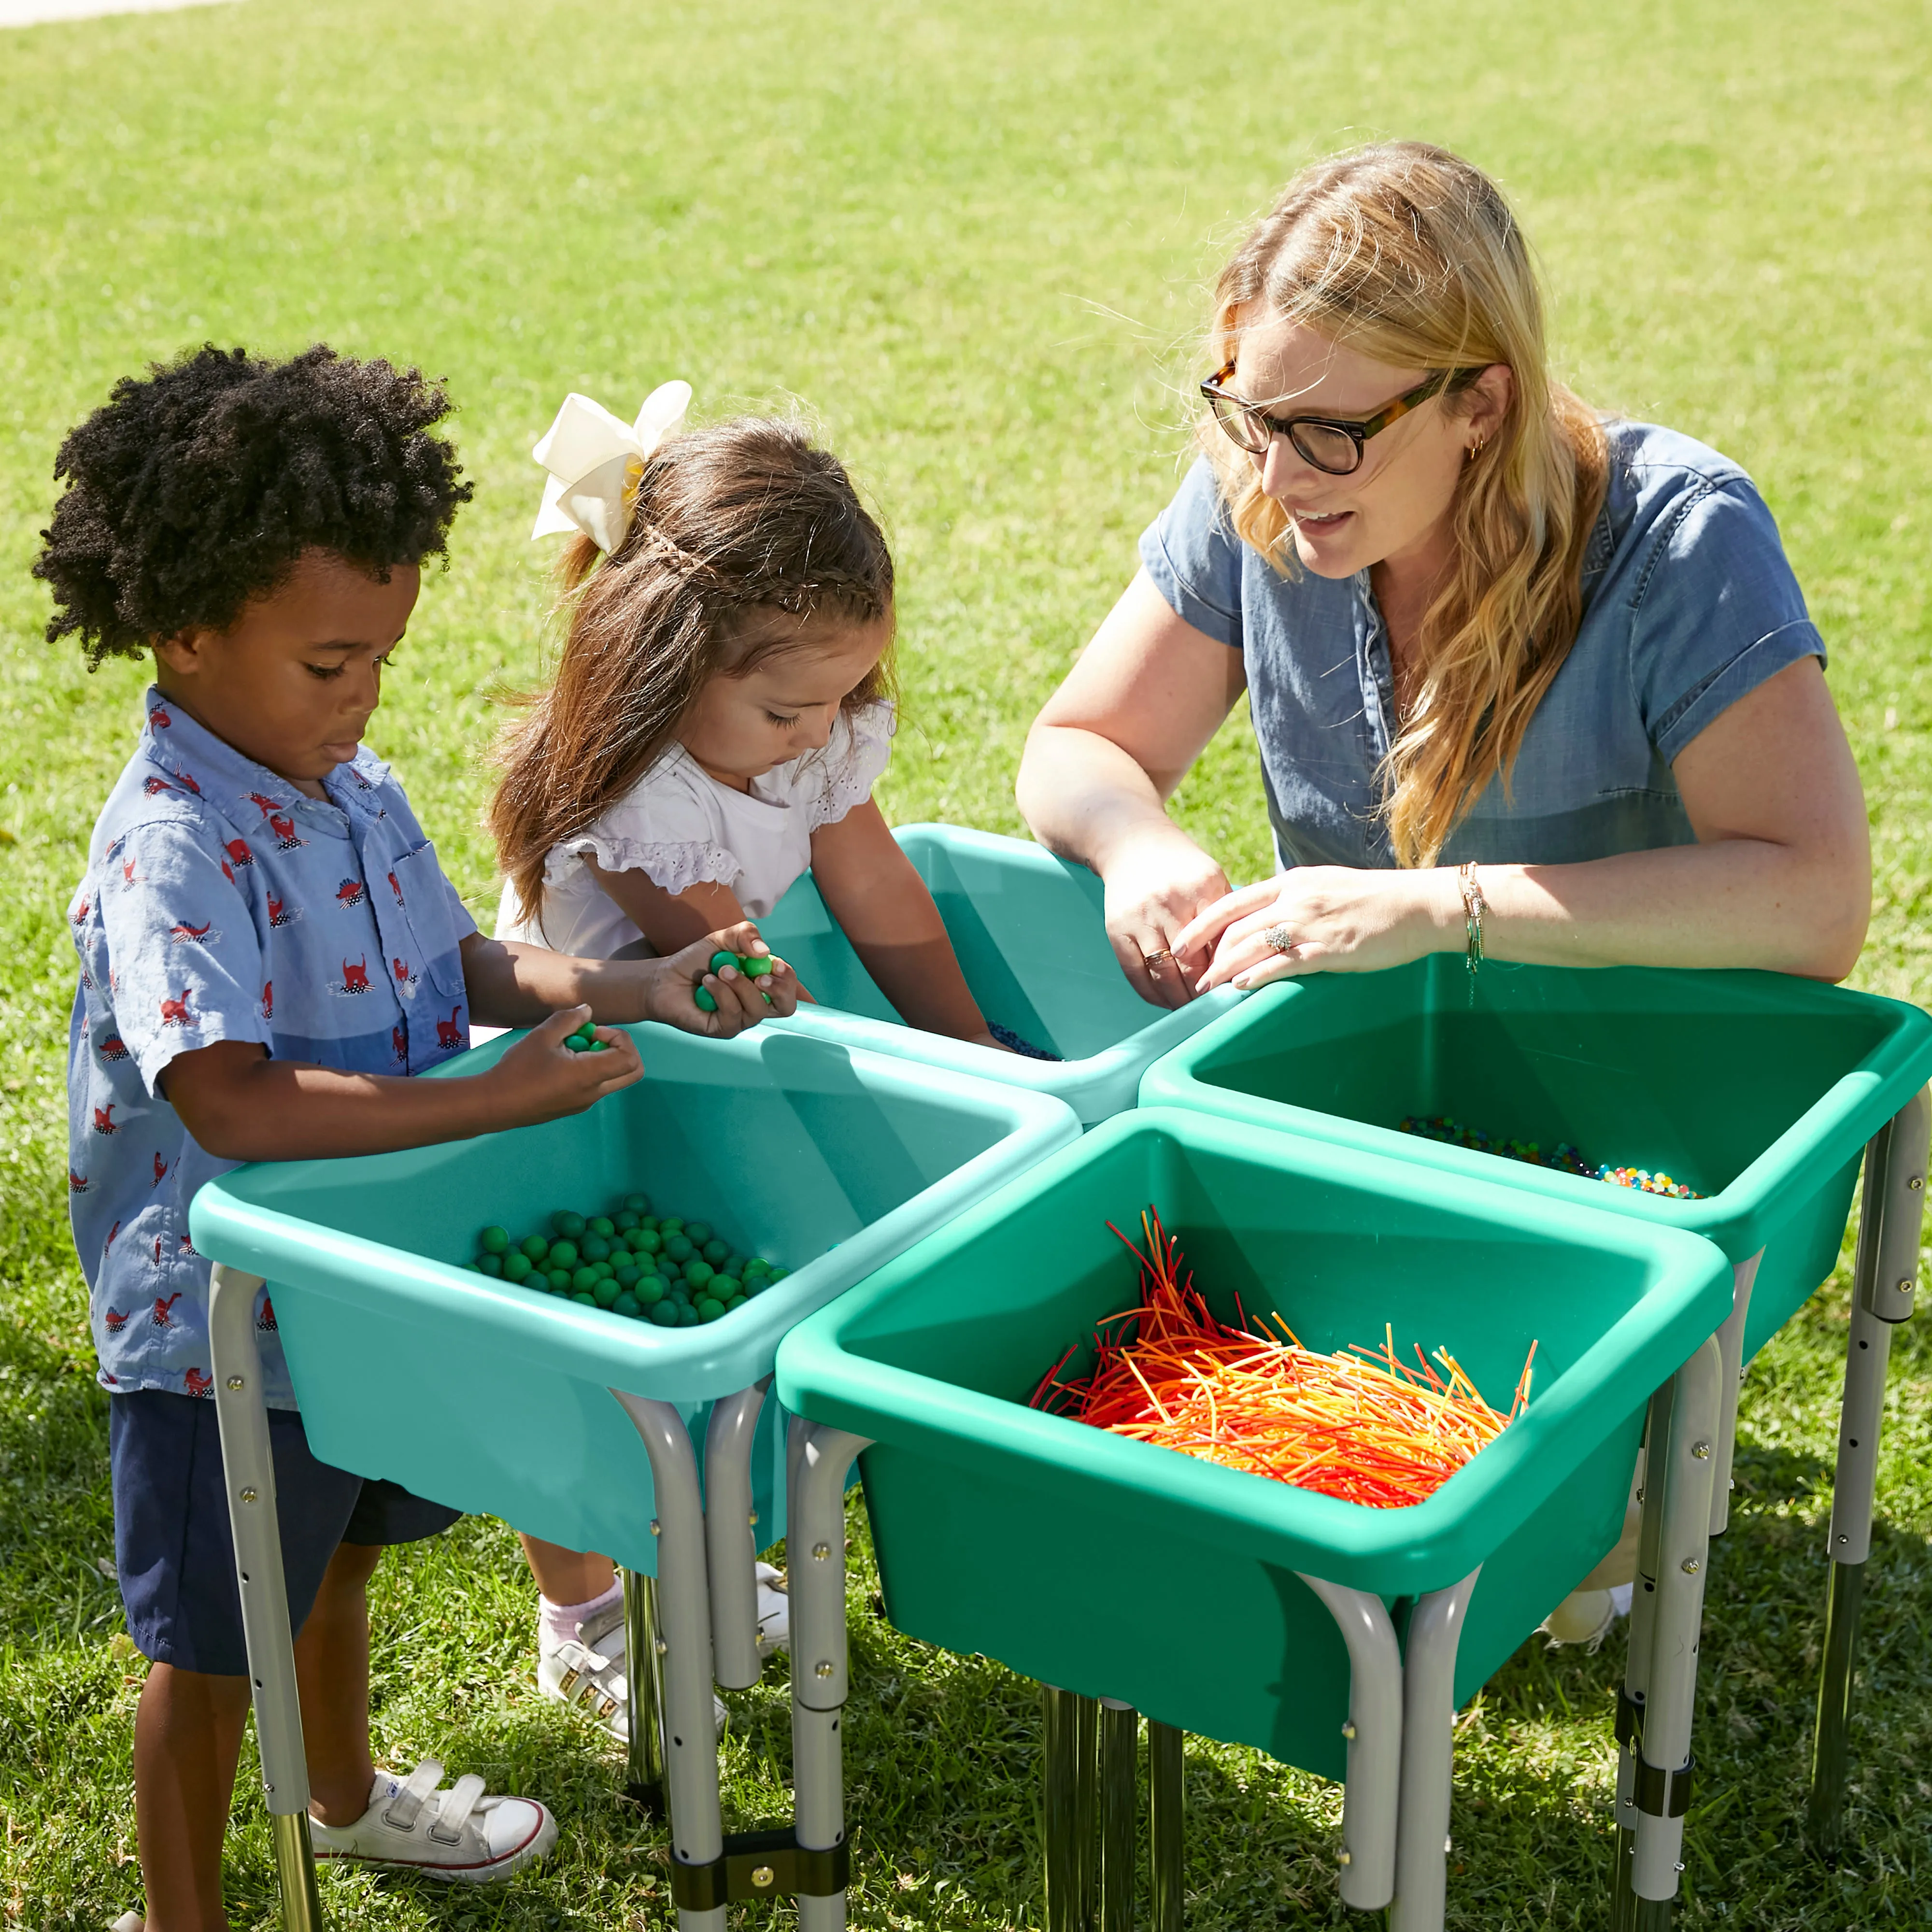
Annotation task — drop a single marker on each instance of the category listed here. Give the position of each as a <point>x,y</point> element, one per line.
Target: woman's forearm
<point>1730,902</point>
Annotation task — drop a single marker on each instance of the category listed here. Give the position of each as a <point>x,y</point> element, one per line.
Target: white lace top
<point>680,827</point>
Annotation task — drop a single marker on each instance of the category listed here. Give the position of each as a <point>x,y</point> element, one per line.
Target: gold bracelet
<point>1474,907</point>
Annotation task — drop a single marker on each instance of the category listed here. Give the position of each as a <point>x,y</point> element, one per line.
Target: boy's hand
<point>540,1079</point>
<point>741,998</point>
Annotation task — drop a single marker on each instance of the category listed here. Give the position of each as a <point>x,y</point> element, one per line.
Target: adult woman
<point>1505,659</point>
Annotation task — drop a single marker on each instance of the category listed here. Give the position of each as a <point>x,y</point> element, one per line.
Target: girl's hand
<point>1155,888</point>
<point>540,1079</point>
<point>1335,918</point>
<point>671,983</point>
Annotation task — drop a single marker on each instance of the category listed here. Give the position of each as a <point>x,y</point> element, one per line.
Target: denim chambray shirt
<point>1689,603</point>
<point>220,903</point>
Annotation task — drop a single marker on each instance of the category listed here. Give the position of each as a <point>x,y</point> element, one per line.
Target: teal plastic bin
<point>1756,1089</point>
<point>1118,1569</point>
<point>494,1398</point>
<point>1031,940</point>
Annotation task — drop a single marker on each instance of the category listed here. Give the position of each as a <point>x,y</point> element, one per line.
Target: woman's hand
<point>1158,885</point>
<point>1331,919</point>
<point>670,986</point>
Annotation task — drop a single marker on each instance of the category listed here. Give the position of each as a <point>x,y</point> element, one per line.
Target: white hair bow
<point>594,462</point>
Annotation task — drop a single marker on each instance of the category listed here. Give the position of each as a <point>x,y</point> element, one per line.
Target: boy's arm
<point>875,893</point>
<point>510,984</point>
<point>240,1105</point>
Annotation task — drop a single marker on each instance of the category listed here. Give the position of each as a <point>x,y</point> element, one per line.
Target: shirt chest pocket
<point>421,896</point>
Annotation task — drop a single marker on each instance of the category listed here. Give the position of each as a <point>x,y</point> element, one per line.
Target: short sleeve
<point>1719,611</point>
<point>664,827</point>
<point>1193,556</point>
<point>184,957</point>
<point>860,748</point>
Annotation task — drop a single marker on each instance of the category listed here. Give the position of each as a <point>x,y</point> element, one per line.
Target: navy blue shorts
<point>173,1548</point>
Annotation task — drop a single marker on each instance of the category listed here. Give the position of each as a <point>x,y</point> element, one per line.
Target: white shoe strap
<point>401,1810</point>
<point>453,1812</point>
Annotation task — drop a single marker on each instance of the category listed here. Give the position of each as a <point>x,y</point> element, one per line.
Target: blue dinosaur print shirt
<point>220,903</point>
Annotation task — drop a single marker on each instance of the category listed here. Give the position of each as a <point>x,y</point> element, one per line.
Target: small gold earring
<point>1476,447</point>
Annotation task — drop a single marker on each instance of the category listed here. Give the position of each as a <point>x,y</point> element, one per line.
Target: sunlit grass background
<point>971,240</point>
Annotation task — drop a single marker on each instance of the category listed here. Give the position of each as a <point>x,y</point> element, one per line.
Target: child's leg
<point>188,1737</point>
<point>567,1577</point>
<point>332,1672</point>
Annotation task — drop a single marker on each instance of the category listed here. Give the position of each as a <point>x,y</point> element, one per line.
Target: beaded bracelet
<point>1474,907</point>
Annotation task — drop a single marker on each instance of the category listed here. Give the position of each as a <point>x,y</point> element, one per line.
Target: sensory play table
<point>1337,1638</point>
<point>1028,931</point>
<point>499,1398</point>
<point>1761,1091</point>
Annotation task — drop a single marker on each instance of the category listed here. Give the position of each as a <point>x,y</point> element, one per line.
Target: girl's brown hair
<point>1411,255</point>
<point>740,534</point>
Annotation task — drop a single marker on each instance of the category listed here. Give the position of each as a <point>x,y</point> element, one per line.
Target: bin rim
<point>1390,1553</point>
<point>1738,1217</point>
<point>685,1365</point>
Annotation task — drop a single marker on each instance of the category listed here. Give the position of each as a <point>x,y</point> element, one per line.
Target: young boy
<point>267,949</point>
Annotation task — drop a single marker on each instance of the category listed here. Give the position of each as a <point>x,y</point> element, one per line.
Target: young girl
<point>722,710</point>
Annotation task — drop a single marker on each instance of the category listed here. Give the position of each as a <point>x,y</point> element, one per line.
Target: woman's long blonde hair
<point>1410,255</point>
<point>741,534</point>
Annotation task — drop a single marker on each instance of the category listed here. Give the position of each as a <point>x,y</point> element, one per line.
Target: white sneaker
<point>774,1611</point>
<point>1587,1617</point>
<point>588,1671</point>
<point>460,1833</point>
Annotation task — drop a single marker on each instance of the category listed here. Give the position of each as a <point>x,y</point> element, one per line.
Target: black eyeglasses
<point>1331,443</point>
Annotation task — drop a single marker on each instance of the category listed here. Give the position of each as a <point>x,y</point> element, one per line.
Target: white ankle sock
<point>557,1623</point>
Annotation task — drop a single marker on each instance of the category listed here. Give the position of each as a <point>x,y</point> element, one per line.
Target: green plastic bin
<point>495,1398</point>
<point>1118,1569</point>
<point>1032,942</point>
<point>1756,1089</point>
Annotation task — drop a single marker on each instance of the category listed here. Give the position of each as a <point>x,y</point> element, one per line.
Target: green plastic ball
<point>601,1224</point>
<point>516,1267</point>
<point>646,1241</point>
<point>687,1317</point>
<point>490,1264</point>
<point>625,1222</point>
<point>708,1310</point>
<point>594,1248</point>
<point>697,1232</point>
<point>627,1276</point>
<point>584,1300</point>
<point>563,1254</point>
<point>680,1248</point>
<point>716,1252</point>
<point>605,1292</point>
<point>558,1280</point>
<point>584,1279</point>
<point>670,1224</point>
<point>568,1225</point>
<point>572,1044</point>
<point>665,1313</point>
<point>536,1247</point>
<point>721,959</point>
<point>702,999</point>
<point>736,1302</point>
<point>637,1203</point>
<point>725,1287</point>
<point>757,964</point>
<point>494,1241</point>
<point>698,1273</point>
<point>649,1289</point>
<point>626,1305</point>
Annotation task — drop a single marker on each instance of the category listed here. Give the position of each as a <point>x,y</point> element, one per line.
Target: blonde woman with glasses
<point>1523,677</point>
<point>1500,650</point>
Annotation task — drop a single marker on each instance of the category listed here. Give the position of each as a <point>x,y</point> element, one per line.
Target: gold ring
<point>1155,957</point>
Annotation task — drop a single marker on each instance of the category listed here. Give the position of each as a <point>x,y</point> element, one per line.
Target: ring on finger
<point>1279,939</point>
<point>1158,957</point>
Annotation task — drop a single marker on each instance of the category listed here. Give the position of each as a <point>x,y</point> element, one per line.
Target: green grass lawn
<point>972,241</point>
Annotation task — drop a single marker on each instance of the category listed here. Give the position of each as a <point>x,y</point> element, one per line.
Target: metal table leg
<point>1636,1666</point>
<point>731,1548</point>
<point>1731,1347</point>
<point>1371,1794</point>
<point>1885,1285</point>
<point>248,1471</point>
<point>815,1545</point>
<point>1067,1770</point>
<point>690,1734</point>
<point>1118,1761</point>
<point>1678,1480</point>
<point>1167,1834</point>
<point>644,1767</point>
<point>1428,1755</point>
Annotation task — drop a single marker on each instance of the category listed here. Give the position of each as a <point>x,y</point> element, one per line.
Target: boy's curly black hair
<point>196,487</point>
